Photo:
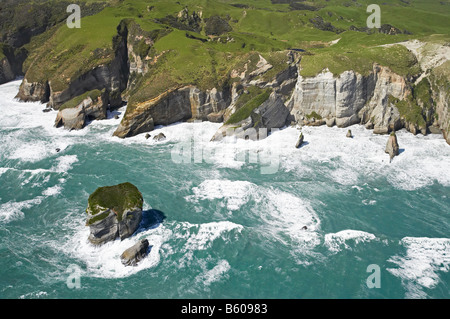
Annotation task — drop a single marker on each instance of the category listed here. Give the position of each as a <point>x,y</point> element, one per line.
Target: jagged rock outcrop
<point>300,141</point>
<point>392,147</point>
<point>172,106</point>
<point>33,91</point>
<point>6,72</point>
<point>269,114</point>
<point>159,137</point>
<point>114,212</point>
<point>91,107</point>
<point>443,113</point>
<point>440,84</point>
<point>379,112</point>
<point>71,118</point>
<point>349,134</point>
<point>209,105</point>
<point>133,255</point>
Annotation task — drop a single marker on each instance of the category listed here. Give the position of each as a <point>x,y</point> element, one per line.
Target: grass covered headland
<point>171,44</point>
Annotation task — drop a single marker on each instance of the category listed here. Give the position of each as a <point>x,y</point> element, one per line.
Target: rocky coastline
<point>253,90</point>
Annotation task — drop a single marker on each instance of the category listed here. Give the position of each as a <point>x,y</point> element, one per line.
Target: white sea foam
<point>3,170</point>
<point>335,242</point>
<point>285,216</point>
<point>16,114</point>
<point>34,295</point>
<point>31,152</point>
<point>423,159</point>
<point>203,235</point>
<point>369,202</point>
<point>65,163</point>
<point>11,211</point>
<point>215,274</point>
<point>280,215</point>
<point>104,261</point>
<point>233,193</point>
<point>419,268</point>
<point>52,191</point>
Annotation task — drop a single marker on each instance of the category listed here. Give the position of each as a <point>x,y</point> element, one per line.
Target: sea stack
<point>114,212</point>
<point>349,134</point>
<point>392,147</point>
<point>133,255</point>
<point>300,140</point>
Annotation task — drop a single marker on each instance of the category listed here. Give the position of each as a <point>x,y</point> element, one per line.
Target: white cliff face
<point>352,93</point>
<point>317,94</point>
<point>442,100</point>
<point>350,98</point>
<point>378,112</point>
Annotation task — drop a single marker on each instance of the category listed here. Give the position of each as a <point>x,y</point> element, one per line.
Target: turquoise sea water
<point>219,225</point>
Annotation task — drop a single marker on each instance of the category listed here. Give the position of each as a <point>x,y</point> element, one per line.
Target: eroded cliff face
<point>378,112</point>
<point>216,104</point>
<point>382,100</point>
<point>441,96</point>
<point>112,77</point>
<point>6,73</point>
<point>34,91</point>
<point>172,106</point>
<point>348,99</point>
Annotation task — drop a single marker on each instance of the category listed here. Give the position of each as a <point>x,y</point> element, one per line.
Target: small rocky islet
<point>115,212</point>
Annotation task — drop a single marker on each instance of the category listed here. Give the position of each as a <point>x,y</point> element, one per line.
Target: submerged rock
<point>392,147</point>
<point>159,137</point>
<point>114,212</point>
<point>133,255</point>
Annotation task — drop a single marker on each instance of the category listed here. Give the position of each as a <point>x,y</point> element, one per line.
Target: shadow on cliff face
<point>151,219</point>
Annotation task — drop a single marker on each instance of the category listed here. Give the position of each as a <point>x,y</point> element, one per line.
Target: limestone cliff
<point>381,100</point>
<point>349,99</point>
<point>440,83</point>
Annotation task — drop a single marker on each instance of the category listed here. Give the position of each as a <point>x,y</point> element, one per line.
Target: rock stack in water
<point>300,141</point>
<point>349,134</point>
<point>114,212</point>
<point>392,147</point>
<point>135,253</point>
